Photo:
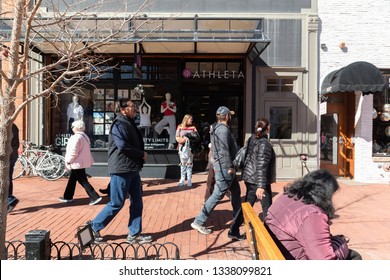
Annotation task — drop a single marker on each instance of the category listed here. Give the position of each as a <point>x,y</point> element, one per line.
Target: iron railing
<point>16,250</point>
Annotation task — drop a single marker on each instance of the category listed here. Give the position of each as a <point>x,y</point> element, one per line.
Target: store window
<point>281,122</point>
<point>280,116</point>
<point>381,121</point>
<point>280,84</point>
<point>96,104</point>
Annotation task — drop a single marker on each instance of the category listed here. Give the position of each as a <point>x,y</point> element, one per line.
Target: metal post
<point>38,245</point>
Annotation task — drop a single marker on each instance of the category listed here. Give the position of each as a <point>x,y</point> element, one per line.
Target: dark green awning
<point>360,75</point>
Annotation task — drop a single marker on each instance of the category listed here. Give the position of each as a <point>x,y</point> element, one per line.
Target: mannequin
<point>74,112</point>
<point>168,108</point>
<point>144,113</point>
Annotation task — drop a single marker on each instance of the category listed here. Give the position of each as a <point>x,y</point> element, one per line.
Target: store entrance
<point>337,130</point>
<point>202,100</point>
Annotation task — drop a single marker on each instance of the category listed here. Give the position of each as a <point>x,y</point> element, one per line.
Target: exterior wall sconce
<point>342,45</point>
<point>324,47</point>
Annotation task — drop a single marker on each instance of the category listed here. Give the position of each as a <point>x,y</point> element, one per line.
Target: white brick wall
<point>364,26</point>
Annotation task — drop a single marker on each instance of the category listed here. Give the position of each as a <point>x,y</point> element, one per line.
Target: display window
<point>381,121</point>
<point>162,96</point>
<point>156,117</point>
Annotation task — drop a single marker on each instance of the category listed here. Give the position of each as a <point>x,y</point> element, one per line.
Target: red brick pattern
<point>169,210</point>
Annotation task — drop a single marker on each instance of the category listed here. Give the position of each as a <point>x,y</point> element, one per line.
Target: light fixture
<point>342,45</point>
<point>374,114</point>
<point>385,116</point>
<point>85,236</point>
<point>324,47</point>
<point>387,131</point>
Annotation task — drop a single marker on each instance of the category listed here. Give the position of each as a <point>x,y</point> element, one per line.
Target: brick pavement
<point>363,215</point>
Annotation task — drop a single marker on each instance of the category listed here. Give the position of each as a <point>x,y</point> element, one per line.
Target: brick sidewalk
<point>168,212</point>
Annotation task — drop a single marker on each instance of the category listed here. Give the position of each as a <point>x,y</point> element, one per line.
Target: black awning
<point>359,75</point>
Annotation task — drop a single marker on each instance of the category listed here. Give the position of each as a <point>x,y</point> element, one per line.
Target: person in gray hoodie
<point>224,149</point>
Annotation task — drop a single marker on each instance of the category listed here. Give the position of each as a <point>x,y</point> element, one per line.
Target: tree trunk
<point>5,155</point>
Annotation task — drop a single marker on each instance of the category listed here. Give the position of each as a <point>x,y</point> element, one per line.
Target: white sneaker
<point>180,184</point>
<point>96,201</point>
<point>201,229</point>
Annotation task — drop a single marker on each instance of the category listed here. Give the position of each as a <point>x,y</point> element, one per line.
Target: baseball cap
<point>224,111</point>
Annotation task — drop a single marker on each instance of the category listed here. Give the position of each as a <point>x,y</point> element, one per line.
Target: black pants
<point>71,120</point>
<point>251,198</point>
<point>79,175</point>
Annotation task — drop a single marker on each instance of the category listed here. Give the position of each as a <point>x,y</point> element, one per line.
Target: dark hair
<point>121,103</point>
<point>316,187</point>
<point>261,126</point>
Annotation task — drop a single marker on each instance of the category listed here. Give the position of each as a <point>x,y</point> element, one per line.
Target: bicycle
<point>40,161</point>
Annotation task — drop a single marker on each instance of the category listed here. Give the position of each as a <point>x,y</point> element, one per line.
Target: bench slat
<point>266,246</point>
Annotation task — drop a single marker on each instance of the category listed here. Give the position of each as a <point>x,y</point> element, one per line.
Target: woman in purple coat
<point>299,220</point>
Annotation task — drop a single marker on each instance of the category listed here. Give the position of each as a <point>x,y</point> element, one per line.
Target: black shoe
<point>238,237</point>
<point>12,205</point>
<point>104,191</point>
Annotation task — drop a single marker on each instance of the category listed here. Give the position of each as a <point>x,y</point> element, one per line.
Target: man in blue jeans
<point>224,149</point>
<point>126,156</point>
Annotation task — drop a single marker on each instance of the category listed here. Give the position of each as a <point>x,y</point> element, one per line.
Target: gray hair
<point>79,125</point>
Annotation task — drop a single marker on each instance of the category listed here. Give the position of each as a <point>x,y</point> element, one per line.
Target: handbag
<point>340,246</point>
<point>239,159</point>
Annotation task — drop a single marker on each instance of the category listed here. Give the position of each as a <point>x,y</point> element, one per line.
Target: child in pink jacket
<point>78,157</point>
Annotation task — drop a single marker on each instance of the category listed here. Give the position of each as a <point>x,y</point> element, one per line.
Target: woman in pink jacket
<point>299,220</point>
<point>78,157</point>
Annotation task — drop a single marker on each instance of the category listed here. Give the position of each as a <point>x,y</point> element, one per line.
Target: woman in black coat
<point>259,172</point>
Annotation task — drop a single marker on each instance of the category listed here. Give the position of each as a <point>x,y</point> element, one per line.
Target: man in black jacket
<point>126,156</point>
<point>12,200</point>
<point>224,149</point>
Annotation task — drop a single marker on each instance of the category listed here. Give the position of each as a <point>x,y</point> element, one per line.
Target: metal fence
<point>19,250</point>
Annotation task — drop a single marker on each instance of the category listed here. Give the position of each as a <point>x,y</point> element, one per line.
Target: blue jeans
<point>223,181</point>
<point>185,170</point>
<point>121,186</point>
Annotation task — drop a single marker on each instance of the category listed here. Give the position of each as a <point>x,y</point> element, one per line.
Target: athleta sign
<point>187,73</point>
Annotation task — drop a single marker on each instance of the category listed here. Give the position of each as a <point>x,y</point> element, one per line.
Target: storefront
<point>197,87</point>
<point>354,125</point>
<point>261,62</point>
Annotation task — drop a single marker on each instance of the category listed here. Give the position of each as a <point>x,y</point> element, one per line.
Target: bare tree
<point>73,34</point>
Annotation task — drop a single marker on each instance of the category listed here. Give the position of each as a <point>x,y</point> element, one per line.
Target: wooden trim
<point>262,245</point>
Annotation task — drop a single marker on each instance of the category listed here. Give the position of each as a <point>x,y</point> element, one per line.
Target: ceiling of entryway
<point>184,35</point>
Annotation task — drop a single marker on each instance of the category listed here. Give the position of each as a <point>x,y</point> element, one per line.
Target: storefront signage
<point>156,143</point>
<point>61,140</point>
<point>187,73</point>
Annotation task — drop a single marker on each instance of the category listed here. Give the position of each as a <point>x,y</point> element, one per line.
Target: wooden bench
<point>262,245</point>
